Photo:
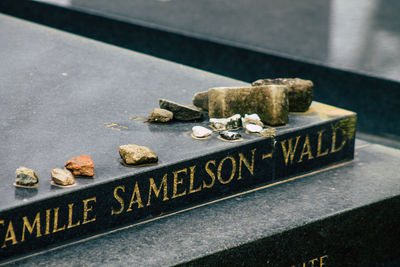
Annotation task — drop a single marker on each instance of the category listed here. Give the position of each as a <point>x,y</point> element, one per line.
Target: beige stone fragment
<point>160,115</point>
<point>135,155</point>
<point>62,177</point>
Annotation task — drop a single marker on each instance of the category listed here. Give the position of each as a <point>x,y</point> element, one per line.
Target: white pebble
<point>253,128</point>
<point>201,132</point>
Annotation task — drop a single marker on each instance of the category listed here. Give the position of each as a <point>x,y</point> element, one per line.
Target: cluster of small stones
<point>271,99</point>
<point>268,101</point>
<point>77,166</point>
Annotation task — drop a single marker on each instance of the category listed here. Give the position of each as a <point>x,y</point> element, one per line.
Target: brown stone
<point>135,155</point>
<point>270,102</point>
<point>62,177</point>
<point>81,166</point>
<point>160,115</point>
<point>200,100</point>
<point>300,91</point>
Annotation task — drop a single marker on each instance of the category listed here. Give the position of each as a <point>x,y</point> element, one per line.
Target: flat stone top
<point>241,219</point>
<point>63,96</point>
<point>327,32</point>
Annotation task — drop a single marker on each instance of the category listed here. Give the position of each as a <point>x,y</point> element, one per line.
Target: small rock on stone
<point>26,177</point>
<point>181,112</point>
<point>81,166</point>
<point>160,115</point>
<point>200,100</point>
<point>229,135</point>
<point>62,177</point>
<point>223,124</point>
<point>201,132</point>
<point>253,128</point>
<point>135,155</point>
<point>269,132</point>
<point>252,119</point>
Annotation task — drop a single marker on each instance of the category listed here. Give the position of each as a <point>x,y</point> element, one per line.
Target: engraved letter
<point>10,235</point>
<point>308,152</point>
<point>86,210</point>
<point>47,231</point>
<point>153,187</point>
<point>178,182</point>
<point>319,154</point>
<point>322,261</point>
<point>211,174</point>
<point>289,153</point>
<point>55,228</point>
<point>334,131</point>
<point>313,261</point>
<point>220,170</point>
<point>242,159</point>
<point>191,190</point>
<point>70,216</point>
<point>27,225</point>
<point>138,200</point>
<point>119,199</point>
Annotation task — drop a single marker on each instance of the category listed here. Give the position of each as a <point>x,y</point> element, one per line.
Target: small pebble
<point>229,135</point>
<point>135,155</point>
<point>62,177</point>
<point>252,119</point>
<point>201,132</point>
<point>26,177</point>
<point>253,128</point>
<point>81,166</point>
<point>160,115</point>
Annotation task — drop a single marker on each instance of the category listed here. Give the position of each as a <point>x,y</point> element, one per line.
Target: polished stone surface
<point>223,225</point>
<point>63,96</point>
<point>363,36</point>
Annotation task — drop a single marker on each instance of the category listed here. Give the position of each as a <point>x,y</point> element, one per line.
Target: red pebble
<point>81,166</point>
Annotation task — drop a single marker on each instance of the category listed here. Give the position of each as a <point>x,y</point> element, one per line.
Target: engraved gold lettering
<point>191,190</point>
<point>219,170</point>
<point>55,225</point>
<point>178,182</point>
<point>313,261</point>
<point>87,209</point>
<point>242,159</point>
<point>153,187</point>
<point>288,153</point>
<point>28,226</point>
<point>319,154</point>
<point>306,150</point>
<point>210,173</point>
<point>265,156</point>
<point>10,235</point>
<point>70,217</point>
<point>135,193</point>
<point>47,230</point>
<point>334,132</point>
<point>119,199</point>
<point>322,261</point>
